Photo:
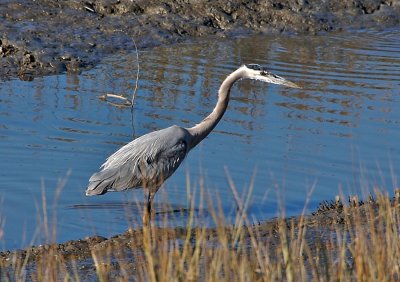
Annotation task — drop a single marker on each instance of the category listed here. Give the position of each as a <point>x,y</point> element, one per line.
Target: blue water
<point>337,135</point>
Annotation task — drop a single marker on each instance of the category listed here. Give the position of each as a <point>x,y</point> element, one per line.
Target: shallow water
<point>338,134</point>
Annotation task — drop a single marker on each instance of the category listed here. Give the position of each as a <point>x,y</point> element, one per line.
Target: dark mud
<point>53,36</point>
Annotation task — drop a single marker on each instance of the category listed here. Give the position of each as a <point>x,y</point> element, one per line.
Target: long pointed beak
<point>276,79</point>
<point>272,78</point>
<point>291,84</point>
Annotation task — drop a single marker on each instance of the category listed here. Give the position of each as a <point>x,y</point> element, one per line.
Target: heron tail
<point>100,182</point>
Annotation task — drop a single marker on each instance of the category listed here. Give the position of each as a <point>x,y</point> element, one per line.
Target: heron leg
<point>150,197</point>
<point>148,213</point>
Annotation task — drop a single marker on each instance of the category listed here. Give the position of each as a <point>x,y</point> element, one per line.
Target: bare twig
<point>125,101</point>
<point>137,74</point>
<point>136,87</point>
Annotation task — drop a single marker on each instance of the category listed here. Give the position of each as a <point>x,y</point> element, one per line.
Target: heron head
<point>257,72</point>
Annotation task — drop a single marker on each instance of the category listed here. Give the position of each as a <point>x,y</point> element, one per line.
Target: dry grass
<point>340,242</point>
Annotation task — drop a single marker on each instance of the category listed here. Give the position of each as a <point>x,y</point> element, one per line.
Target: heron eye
<point>183,143</point>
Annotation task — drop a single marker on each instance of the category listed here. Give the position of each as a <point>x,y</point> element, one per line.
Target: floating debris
<point>109,98</point>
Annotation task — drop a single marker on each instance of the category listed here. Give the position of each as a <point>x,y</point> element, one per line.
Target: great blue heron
<point>149,160</point>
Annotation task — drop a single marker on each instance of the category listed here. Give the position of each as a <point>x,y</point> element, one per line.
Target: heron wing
<point>161,166</point>
<point>146,161</point>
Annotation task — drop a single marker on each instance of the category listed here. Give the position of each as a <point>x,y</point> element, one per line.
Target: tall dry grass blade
<point>148,248</point>
<point>239,203</point>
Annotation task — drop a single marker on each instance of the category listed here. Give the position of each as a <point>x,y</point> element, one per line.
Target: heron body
<point>145,162</point>
<point>149,160</point>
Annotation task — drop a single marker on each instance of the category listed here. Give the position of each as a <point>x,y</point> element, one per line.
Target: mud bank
<point>52,36</point>
<point>129,249</point>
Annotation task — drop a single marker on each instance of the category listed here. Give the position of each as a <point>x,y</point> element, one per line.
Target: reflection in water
<point>136,207</point>
<point>339,130</point>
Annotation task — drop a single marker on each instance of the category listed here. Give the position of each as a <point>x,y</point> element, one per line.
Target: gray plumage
<point>149,160</point>
<point>145,162</point>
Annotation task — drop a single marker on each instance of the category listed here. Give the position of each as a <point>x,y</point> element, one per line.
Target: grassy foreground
<point>351,241</point>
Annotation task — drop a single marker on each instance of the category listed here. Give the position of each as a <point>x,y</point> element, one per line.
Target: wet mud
<point>46,37</point>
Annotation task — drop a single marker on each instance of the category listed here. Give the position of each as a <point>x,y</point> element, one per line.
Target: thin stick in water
<point>135,89</point>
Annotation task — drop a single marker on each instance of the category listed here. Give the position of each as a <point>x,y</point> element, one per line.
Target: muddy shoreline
<point>83,256</point>
<point>47,37</point>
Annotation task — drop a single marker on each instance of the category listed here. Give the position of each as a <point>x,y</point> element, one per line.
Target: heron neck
<point>201,130</point>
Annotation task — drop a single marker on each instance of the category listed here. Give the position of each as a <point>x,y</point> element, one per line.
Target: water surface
<point>338,134</point>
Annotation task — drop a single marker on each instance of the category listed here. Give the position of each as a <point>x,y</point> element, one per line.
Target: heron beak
<point>291,84</point>
<point>276,79</point>
<point>269,77</point>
